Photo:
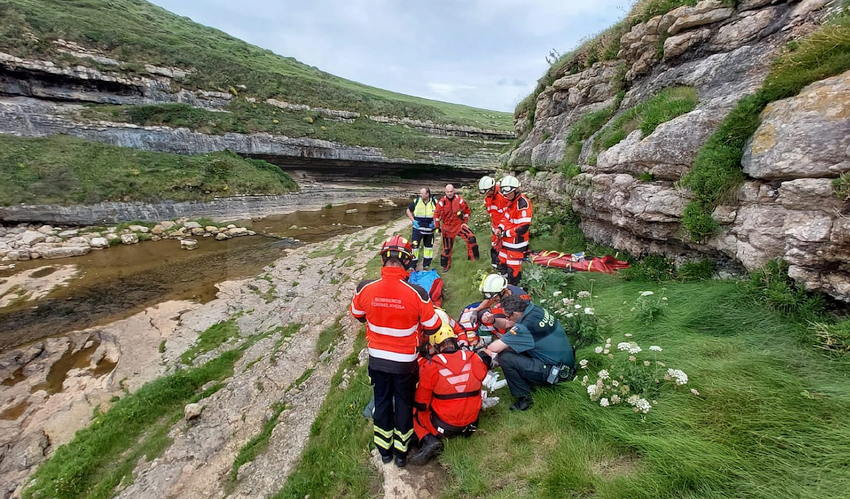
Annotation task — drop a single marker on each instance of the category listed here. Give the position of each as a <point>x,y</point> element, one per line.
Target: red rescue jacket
<point>495,203</point>
<point>451,214</point>
<point>451,385</point>
<point>395,313</point>
<point>515,224</point>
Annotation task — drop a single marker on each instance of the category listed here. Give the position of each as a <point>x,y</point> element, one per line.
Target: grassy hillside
<point>66,170</point>
<point>136,32</point>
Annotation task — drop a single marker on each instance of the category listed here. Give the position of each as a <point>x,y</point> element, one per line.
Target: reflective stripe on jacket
<point>516,223</point>
<point>451,385</point>
<point>395,313</point>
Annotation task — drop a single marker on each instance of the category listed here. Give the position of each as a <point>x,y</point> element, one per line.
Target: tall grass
<point>717,168</point>
<point>67,170</point>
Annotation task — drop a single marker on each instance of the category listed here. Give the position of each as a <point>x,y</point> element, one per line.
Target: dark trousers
<point>393,417</point>
<point>423,243</point>
<point>449,243</point>
<point>521,372</point>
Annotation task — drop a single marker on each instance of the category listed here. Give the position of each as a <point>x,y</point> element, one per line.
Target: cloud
<point>447,89</point>
<point>482,53</point>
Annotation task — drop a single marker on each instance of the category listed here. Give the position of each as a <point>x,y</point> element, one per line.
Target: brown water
<point>123,280</point>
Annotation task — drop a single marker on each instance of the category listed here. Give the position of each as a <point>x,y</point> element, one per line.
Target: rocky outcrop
<point>227,208</point>
<point>629,197</point>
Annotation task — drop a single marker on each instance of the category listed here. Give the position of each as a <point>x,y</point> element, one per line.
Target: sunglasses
<point>490,295</point>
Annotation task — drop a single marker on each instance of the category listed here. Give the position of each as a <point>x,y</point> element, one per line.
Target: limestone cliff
<point>629,195</point>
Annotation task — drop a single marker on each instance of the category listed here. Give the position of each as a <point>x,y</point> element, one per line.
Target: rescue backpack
<point>431,282</point>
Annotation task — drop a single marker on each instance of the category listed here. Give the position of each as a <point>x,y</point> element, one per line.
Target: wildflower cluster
<point>629,375</point>
<point>577,315</point>
<point>649,306</point>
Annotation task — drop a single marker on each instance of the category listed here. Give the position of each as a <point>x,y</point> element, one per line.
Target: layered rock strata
<point>629,197</point>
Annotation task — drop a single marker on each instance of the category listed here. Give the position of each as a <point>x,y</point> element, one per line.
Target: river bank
<point>291,303</point>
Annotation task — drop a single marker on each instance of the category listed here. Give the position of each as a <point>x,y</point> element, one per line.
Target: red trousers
<point>449,242</point>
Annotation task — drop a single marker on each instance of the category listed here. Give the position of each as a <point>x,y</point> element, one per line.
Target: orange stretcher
<point>577,262</point>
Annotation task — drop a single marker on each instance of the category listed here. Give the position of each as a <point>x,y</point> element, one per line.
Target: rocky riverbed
<point>50,388</point>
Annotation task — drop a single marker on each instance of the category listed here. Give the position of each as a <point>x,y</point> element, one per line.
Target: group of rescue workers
<point>426,368</point>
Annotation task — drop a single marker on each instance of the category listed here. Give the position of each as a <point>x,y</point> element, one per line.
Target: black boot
<point>521,404</point>
<point>431,445</point>
<point>400,461</point>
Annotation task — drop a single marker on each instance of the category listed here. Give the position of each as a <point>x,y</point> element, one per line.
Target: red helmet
<point>398,247</point>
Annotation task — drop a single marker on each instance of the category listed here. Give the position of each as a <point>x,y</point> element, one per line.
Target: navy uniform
<point>423,237</point>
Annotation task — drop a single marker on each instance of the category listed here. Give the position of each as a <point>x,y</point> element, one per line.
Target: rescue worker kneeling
<point>448,398</point>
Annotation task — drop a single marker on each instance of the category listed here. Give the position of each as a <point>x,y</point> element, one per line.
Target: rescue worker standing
<point>448,398</point>
<point>535,351</point>
<point>494,203</point>
<point>394,312</point>
<point>421,213</point>
<point>451,216</point>
<point>513,230</point>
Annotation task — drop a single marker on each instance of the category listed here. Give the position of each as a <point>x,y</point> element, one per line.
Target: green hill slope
<point>138,33</point>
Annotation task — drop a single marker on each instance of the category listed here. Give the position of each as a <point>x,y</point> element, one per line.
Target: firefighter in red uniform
<point>494,203</point>
<point>451,216</point>
<point>448,398</point>
<point>513,230</point>
<point>395,313</point>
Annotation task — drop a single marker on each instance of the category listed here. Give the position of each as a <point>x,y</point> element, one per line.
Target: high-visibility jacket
<point>395,313</point>
<point>451,214</point>
<point>450,384</point>
<point>495,204</point>
<point>423,212</point>
<point>515,224</point>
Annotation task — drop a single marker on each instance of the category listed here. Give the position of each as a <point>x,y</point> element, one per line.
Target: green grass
<point>716,172</point>
<point>328,337</point>
<point>585,127</point>
<point>336,460</point>
<point>211,339</point>
<point>245,117</point>
<point>256,446</point>
<point>67,170</point>
<point>138,32</point>
<point>105,453</point>
<point>663,107</point>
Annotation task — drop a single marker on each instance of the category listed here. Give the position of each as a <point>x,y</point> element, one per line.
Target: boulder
<point>803,136</point>
<point>65,251</point>
<point>68,233</point>
<point>139,228</point>
<point>79,241</point>
<point>192,411</point>
<point>99,243</point>
<point>167,224</point>
<point>45,229</point>
<point>31,237</point>
<point>679,44</point>
<point>158,229</point>
<point>188,244</point>
<point>237,231</point>
<point>221,236</point>
<point>197,231</point>
<point>129,238</point>
<point>192,225</point>
<point>212,229</point>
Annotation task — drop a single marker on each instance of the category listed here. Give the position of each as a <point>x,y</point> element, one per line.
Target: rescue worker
<point>395,313</point>
<point>513,230</point>
<point>421,213</point>
<point>494,288</point>
<point>534,351</point>
<point>448,398</point>
<point>494,203</point>
<point>451,217</point>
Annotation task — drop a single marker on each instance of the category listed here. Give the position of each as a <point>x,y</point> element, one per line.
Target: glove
<point>437,230</point>
<point>415,224</point>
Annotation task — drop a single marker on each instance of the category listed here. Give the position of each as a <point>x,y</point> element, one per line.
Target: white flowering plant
<point>629,374</point>
<point>579,318</point>
<point>649,306</point>
<point>542,282</point>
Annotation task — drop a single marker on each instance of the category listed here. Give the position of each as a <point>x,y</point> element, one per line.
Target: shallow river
<point>118,282</point>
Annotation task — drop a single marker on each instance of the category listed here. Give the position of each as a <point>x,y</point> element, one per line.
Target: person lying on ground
<point>448,398</point>
<point>534,351</point>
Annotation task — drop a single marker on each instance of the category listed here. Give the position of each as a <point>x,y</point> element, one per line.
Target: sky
<point>482,53</point>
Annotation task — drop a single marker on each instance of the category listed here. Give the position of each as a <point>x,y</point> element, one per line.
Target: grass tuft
<point>211,339</point>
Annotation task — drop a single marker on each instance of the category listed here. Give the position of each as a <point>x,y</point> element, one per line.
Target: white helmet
<point>486,183</point>
<point>509,183</point>
<point>492,285</point>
